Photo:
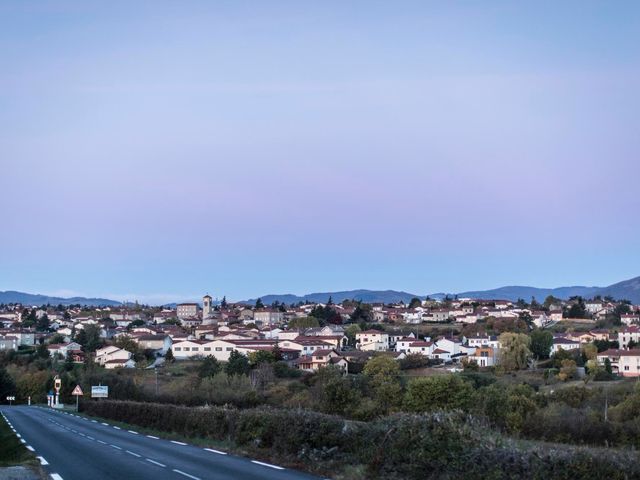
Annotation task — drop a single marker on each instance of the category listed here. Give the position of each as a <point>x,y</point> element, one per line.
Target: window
<point>218,349</point>
<point>229,349</point>
<point>177,349</point>
<point>207,349</point>
<point>195,349</point>
<point>626,367</point>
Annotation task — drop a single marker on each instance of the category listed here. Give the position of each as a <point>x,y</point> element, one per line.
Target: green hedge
<point>437,445</point>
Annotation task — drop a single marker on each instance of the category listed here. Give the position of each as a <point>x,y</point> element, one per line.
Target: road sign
<point>11,399</point>
<point>57,383</point>
<point>101,391</point>
<point>77,391</point>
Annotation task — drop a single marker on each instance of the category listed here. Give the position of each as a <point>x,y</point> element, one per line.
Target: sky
<point>156,151</point>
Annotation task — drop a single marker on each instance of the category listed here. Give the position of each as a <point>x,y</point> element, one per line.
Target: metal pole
<point>77,402</point>
<point>156,370</point>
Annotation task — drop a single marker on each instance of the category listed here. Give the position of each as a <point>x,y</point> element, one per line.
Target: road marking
<point>117,428</point>
<point>82,434</point>
<point>23,440</point>
<point>215,451</point>
<point>131,431</point>
<point>185,474</point>
<point>105,424</point>
<point>134,454</point>
<point>74,431</point>
<point>18,435</point>
<point>30,448</point>
<point>151,436</point>
<point>42,461</point>
<point>55,476</point>
<point>267,465</point>
<point>156,463</point>
<point>116,446</point>
<point>94,421</point>
<point>178,443</point>
<point>100,441</point>
<point>90,438</point>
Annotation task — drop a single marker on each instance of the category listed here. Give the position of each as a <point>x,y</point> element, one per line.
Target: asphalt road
<point>76,448</point>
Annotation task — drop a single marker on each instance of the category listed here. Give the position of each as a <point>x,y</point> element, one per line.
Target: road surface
<point>76,448</point>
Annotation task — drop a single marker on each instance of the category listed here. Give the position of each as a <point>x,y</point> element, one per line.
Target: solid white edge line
<point>177,442</point>
<point>156,463</point>
<point>215,451</point>
<point>42,461</point>
<point>151,436</point>
<point>185,474</point>
<point>267,465</point>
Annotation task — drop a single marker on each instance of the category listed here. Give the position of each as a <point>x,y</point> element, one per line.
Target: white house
<point>560,343</point>
<point>623,362</point>
<point>111,353</point>
<point>372,340</point>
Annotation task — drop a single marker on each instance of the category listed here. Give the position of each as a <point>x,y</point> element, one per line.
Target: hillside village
<point>449,333</point>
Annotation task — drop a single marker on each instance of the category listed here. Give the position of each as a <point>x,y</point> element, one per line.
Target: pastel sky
<point>160,150</point>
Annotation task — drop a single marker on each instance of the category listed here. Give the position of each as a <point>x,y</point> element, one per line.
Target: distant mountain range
<point>626,290</point>
<point>31,299</point>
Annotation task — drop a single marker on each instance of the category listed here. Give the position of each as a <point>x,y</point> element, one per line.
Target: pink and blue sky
<point>159,150</point>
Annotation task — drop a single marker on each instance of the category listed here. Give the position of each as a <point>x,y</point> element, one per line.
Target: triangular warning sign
<point>77,391</point>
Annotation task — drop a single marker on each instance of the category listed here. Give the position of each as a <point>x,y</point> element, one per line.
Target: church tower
<point>207,306</point>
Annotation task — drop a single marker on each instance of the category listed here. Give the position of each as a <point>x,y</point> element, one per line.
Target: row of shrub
<point>433,445</point>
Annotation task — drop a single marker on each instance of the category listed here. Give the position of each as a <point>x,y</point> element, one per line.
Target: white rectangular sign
<point>99,392</point>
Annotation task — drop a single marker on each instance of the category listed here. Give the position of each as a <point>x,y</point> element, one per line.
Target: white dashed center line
<point>185,474</point>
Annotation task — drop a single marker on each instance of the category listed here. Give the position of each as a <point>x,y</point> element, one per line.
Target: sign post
<point>78,393</point>
<point>58,385</point>
<point>11,399</point>
<point>100,391</point>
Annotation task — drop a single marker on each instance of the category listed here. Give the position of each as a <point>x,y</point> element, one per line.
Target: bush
<point>436,445</point>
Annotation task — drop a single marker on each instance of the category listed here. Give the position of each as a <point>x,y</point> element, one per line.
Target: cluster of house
<point>202,331</point>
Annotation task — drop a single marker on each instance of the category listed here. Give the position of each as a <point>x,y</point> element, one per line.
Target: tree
<point>440,392</point>
<point>514,351</point>
<point>42,351</point>
<point>383,374</point>
<point>334,393</point>
<point>68,362</point>
<point>260,356</point>
<point>541,343</point>
<point>415,302</point>
<point>607,366</point>
<point>632,344</point>
<point>300,323</point>
<point>577,309</point>
<point>551,300</point>
<point>238,364</point>
<point>223,303</point>
<point>209,367</point>
<point>89,338</point>
<point>42,325</point>
<point>568,370</point>
<point>168,357</point>
<point>56,338</point>
<point>350,332</point>
<point>7,385</point>
<point>259,303</point>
